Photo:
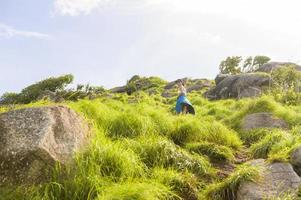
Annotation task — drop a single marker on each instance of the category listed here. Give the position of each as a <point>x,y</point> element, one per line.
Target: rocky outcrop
<point>269,67</point>
<point>191,85</point>
<point>172,84</point>
<point>276,179</point>
<point>262,120</point>
<point>32,140</point>
<point>238,86</point>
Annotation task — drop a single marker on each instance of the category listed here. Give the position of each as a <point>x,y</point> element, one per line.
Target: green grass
<point>133,190</point>
<point>142,150</point>
<point>262,148</point>
<point>226,190</point>
<point>159,152</point>
<point>185,185</point>
<point>189,129</point>
<point>263,104</point>
<point>216,153</point>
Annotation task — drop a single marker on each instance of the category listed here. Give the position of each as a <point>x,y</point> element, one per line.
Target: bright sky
<point>105,42</point>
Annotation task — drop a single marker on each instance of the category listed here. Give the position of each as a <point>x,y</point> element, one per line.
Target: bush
<point>286,84</point>
<point>32,92</point>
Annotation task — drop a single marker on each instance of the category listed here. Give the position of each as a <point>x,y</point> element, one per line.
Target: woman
<point>183,105</point>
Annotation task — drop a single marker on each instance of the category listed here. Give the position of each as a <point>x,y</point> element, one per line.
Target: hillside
<point>140,149</point>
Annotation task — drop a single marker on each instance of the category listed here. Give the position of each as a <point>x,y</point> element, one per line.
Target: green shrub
<point>215,152</point>
<point>32,92</point>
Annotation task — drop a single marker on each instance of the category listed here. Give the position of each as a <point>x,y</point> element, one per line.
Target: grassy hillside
<point>142,150</point>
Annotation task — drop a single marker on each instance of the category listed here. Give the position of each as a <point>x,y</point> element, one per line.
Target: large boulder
<point>33,140</point>
<point>262,120</point>
<point>296,159</point>
<point>276,179</point>
<point>269,67</point>
<point>238,86</point>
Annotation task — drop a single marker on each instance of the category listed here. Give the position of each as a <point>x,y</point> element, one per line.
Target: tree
<point>9,98</point>
<point>286,84</point>
<point>259,61</point>
<point>248,64</point>
<point>32,92</point>
<point>230,65</point>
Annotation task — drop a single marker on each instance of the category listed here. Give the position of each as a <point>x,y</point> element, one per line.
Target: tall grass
<point>159,152</point>
<point>185,185</point>
<point>226,190</point>
<point>264,104</point>
<point>216,153</point>
<point>262,148</point>
<point>141,150</point>
<point>188,129</point>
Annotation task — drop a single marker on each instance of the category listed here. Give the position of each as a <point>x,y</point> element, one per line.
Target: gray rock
<point>296,159</point>
<point>239,86</point>
<point>32,140</point>
<point>121,89</point>
<point>171,84</point>
<point>262,120</point>
<point>220,77</point>
<point>168,94</point>
<point>276,179</point>
<point>269,67</point>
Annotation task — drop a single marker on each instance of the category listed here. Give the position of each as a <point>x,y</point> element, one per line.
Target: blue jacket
<point>182,100</point>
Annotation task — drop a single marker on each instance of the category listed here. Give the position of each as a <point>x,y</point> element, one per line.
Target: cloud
<point>9,32</point>
<point>77,7</point>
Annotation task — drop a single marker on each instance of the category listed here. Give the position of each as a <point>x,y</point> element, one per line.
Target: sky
<point>105,42</point>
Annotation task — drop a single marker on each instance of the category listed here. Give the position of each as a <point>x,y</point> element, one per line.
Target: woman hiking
<point>183,105</point>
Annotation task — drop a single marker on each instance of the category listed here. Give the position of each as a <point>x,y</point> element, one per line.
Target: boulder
<point>32,140</point>
<point>276,179</point>
<point>269,67</point>
<point>296,159</point>
<point>171,84</point>
<point>262,120</point>
<point>220,77</point>
<point>238,86</point>
<point>121,89</point>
